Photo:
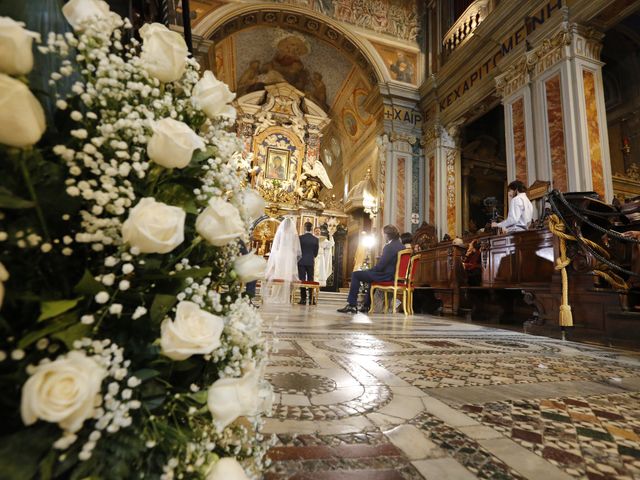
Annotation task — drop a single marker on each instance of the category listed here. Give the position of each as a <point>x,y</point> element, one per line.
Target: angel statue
<point>315,168</point>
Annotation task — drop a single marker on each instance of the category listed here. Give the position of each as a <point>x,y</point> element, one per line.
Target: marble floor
<point>393,397</point>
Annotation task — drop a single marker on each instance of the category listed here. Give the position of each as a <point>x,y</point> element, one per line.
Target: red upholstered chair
<point>411,275</point>
<point>398,284</point>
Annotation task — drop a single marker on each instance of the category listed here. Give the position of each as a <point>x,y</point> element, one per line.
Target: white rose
<point>154,227</point>
<point>16,55</point>
<point>22,120</point>
<point>192,332</point>
<point>250,267</point>
<point>173,143</point>
<point>4,276</point>
<point>230,398</point>
<point>65,391</point>
<point>212,96</point>
<point>164,53</point>
<point>252,203</point>
<point>219,223</point>
<point>79,11</point>
<point>227,468</point>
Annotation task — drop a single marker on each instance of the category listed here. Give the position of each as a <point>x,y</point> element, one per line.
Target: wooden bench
<point>313,286</point>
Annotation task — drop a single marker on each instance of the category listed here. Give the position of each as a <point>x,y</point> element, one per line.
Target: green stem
<point>34,197</point>
<point>187,251</point>
<point>104,313</point>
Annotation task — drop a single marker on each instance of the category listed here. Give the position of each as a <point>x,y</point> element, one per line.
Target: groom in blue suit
<point>384,271</point>
<point>309,245</point>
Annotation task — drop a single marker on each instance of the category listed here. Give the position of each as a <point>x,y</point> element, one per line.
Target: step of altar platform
<point>338,299</point>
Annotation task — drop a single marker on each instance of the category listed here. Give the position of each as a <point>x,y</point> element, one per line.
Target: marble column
<point>515,88</point>
<point>560,83</point>
<point>442,149</point>
<point>404,176</point>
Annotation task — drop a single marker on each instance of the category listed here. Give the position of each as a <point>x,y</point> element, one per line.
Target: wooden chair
<point>398,284</point>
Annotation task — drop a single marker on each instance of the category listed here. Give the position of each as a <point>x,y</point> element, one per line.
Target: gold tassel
<point>557,228</point>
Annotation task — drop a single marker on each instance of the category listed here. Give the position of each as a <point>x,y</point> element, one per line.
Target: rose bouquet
<point>127,347</point>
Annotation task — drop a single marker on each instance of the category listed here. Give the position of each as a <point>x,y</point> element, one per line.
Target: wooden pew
<point>520,286</point>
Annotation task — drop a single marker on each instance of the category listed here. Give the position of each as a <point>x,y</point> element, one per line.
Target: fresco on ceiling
<point>402,65</point>
<point>398,18</point>
<point>265,56</point>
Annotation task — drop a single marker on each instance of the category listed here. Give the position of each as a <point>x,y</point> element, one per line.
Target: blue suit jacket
<point>385,269</point>
<point>309,246</point>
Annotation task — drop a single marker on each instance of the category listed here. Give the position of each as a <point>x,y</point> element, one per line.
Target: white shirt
<point>520,214</point>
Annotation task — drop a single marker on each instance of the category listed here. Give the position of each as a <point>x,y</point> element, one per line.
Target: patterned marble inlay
<point>366,454</point>
<point>427,372</point>
<point>372,398</point>
<point>395,398</point>
<point>588,437</point>
<point>519,140</point>
<point>593,129</point>
<point>556,133</point>
<point>468,452</point>
<point>294,382</point>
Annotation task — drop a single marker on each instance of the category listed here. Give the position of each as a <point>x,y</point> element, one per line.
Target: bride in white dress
<point>282,266</point>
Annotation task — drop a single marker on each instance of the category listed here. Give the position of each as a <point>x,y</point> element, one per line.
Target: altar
<point>281,131</point>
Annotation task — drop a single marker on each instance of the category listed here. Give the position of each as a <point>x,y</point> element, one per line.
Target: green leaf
<point>161,305</point>
<point>88,285</point>
<point>146,373</point>
<point>54,308</point>
<point>47,464</point>
<point>200,156</point>
<point>73,333</point>
<point>199,397</point>
<point>179,196</point>
<point>20,453</point>
<point>56,325</point>
<point>11,201</point>
<point>194,273</point>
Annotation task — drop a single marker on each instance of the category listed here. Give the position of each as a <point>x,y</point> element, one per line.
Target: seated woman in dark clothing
<point>471,262</point>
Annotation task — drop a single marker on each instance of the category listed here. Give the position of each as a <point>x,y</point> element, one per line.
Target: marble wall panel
<point>400,195</point>
<point>519,140</point>
<point>593,131</point>
<point>556,133</point>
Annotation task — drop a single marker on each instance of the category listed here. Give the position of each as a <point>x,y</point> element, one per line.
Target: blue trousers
<point>305,273</point>
<point>358,276</point>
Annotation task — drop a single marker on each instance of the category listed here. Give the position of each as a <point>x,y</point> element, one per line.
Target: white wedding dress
<point>282,266</point>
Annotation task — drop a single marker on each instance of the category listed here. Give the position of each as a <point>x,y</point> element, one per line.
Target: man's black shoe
<point>364,310</point>
<point>302,303</point>
<point>348,309</point>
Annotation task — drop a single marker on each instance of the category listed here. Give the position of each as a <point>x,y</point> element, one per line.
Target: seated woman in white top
<point>520,209</point>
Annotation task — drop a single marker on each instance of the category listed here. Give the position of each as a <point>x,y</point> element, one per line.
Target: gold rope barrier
<point>613,279</point>
<point>557,228</point>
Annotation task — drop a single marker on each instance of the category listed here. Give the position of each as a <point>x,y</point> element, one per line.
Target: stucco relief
<point>397,18</point>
